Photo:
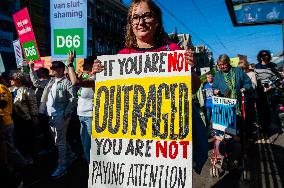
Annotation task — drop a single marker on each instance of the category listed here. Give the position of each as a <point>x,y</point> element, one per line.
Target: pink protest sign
<point>26,36</point>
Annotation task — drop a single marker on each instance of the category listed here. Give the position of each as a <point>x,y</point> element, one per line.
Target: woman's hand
<point>31,64</point>
<point>97,67</point>
<point>216,91</point>
<point>188,55</point>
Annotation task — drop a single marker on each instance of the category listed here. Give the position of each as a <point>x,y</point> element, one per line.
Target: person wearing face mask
<point>267,78</point>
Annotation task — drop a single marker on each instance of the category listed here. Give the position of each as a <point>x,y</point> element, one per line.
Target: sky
<point>246,40</point>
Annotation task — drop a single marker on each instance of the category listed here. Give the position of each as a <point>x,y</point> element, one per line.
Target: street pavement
<point>266,166</point>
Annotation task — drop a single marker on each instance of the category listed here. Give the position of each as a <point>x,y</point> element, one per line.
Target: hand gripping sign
<point>141,131</point>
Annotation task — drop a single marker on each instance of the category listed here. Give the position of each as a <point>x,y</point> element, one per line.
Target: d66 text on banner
<point>142,122</point>
<point>68,23</point>
<point>26,36</point>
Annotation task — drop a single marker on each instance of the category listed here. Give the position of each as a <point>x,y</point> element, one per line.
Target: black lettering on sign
<point>118,152</point>
<point>183,111</point>
<point>173,175</point>
<point>148,148</point>
<point>173,136</point>
<point>99,144</point>
<point>130,147</point>
<point>111,67</point>
<point>139,147</point>
<point>105,68</point>
<point>162,62</point>
<point>121,65</point>
<point>150,111</point>
<point>137,107</point>
<point>182,177</point>
<point>107,146</point>
<point>157,129</point>
<point>138,65</point>
<point>126,90</point>
<point>97,108</point>
<point>129,65</point>
<point>130,176</point>
<point>148,63</point>
<point>155,61</point>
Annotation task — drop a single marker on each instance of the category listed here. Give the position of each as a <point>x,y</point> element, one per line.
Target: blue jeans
<point>86,133</point>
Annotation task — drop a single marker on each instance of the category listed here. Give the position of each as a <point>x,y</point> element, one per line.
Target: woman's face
<point>223,66</point>
<point>143,22</point>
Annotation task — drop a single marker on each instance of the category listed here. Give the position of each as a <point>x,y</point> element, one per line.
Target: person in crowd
<point>145,33</point>
<point>15,158</point>
<point>25,115</point>
<point>267,104</point>
<point>39,79</point>
<point>208,93</point>
<point>230,82</point>
<point>8,177</point>
<point>58,101</point>
<point>250,98</point>
<point>86,82</point>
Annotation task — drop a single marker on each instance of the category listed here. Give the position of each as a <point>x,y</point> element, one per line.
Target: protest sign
<point>68,23</point>
<point>234,61</point>
<point>224,114</point>
<point>18,53</point>
<point>141,131</point>
<point>26,36</point>
<point>2,67</point>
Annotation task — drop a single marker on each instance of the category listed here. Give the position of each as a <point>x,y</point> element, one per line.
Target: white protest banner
<point>68,23</point>
<point>18,53</point>
<point>2,67</point>
<point>142,122</point>
<point>224,114</point>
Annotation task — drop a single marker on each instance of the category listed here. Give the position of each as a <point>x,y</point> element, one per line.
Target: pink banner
<point>26,36</point>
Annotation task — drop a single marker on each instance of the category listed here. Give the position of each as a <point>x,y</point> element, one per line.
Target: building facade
<point>105,31</point>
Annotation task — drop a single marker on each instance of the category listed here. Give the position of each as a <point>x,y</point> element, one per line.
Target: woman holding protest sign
<point>231,82</point>
<point>145,33</point>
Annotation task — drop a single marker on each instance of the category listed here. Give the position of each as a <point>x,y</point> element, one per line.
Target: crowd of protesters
<point>45,101</point>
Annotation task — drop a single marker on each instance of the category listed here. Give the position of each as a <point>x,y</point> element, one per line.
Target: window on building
<point>90,32</point>
<point>89,49</point>
<point>89,10</point>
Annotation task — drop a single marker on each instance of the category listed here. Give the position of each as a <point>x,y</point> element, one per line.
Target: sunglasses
<point>264,55</point>
<point>55,67</point>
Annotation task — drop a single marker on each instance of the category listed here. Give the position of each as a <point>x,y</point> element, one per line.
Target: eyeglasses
<point>264,55</point>
<point>146,17</point>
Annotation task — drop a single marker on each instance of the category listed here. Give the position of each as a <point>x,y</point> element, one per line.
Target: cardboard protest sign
<point>26,36</point>
<point>234,61</point>
<point>142,126</point>
<point>18,53</point>
<point>224,114</point>
<point>68,23</point>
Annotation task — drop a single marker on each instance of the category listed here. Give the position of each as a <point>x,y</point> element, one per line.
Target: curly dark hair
<point>161,37</point>
<point>260,54</point>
